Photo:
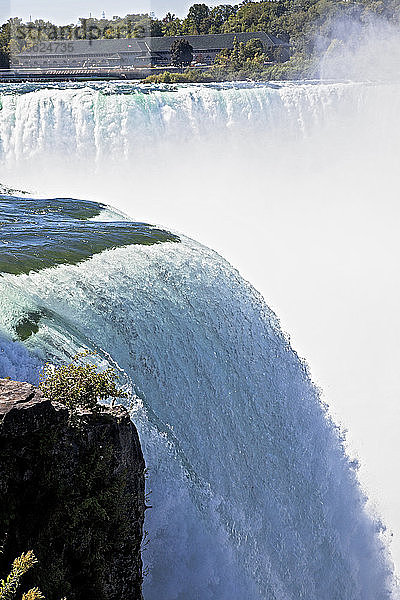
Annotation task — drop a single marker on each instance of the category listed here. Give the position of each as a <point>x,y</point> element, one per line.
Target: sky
<point>69,12</point>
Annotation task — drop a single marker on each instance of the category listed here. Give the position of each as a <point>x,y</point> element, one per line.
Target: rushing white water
<point>252,494</point>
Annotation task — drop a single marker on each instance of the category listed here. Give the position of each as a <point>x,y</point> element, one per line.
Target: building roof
<point>150,44</point>
<point>212,41</point>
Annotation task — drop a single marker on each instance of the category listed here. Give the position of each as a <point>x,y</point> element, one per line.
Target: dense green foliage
<point>312,26</point>
<point>79,386</point>
<point>5,46</point>
<point>181,53</point>
<point>297,67</point>
<point>245,61</point>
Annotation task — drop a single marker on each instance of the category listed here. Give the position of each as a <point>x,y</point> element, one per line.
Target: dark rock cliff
<point>74,494</point>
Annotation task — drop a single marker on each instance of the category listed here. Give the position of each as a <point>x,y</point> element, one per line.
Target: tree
<point>156,28</point>
<point>139,31</point>
<point>181,53</point>
<point>220,14</point>
<point>79,386</point>
<point>198,13</point>
<point>5,46</point>
<point>246,59</point>
<point>253,48</point>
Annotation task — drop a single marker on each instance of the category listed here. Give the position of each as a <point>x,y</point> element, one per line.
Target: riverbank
<point>99,74</point>
<point>292,70</point>
<point>298,67</point>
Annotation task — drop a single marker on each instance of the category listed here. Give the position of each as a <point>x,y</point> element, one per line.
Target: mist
<point>295,184</point>
<point>361,51</point>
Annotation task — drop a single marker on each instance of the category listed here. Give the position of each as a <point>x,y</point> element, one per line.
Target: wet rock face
<point>74,494</point>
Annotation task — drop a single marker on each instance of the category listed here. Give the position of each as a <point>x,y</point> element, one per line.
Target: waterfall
<point>112,124</point>
<point>252,493</point>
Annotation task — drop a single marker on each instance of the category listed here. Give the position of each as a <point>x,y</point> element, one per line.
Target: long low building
<point>133,52</point>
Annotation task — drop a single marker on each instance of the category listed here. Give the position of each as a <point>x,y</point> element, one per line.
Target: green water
<point>37,234</point>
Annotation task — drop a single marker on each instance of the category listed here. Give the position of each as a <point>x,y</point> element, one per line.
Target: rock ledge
<point>72,494</point>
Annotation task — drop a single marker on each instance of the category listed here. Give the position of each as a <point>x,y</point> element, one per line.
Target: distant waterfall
<point>103,123</point>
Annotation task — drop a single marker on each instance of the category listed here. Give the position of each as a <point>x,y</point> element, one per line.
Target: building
<point>131,53</point>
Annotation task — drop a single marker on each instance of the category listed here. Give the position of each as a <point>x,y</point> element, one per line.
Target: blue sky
<point>70,10</point>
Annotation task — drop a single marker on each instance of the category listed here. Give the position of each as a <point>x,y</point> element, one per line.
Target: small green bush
<point>9,586</point>
<point>79,386</point>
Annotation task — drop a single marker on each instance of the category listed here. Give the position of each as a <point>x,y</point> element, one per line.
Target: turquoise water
<point>40,233</point>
